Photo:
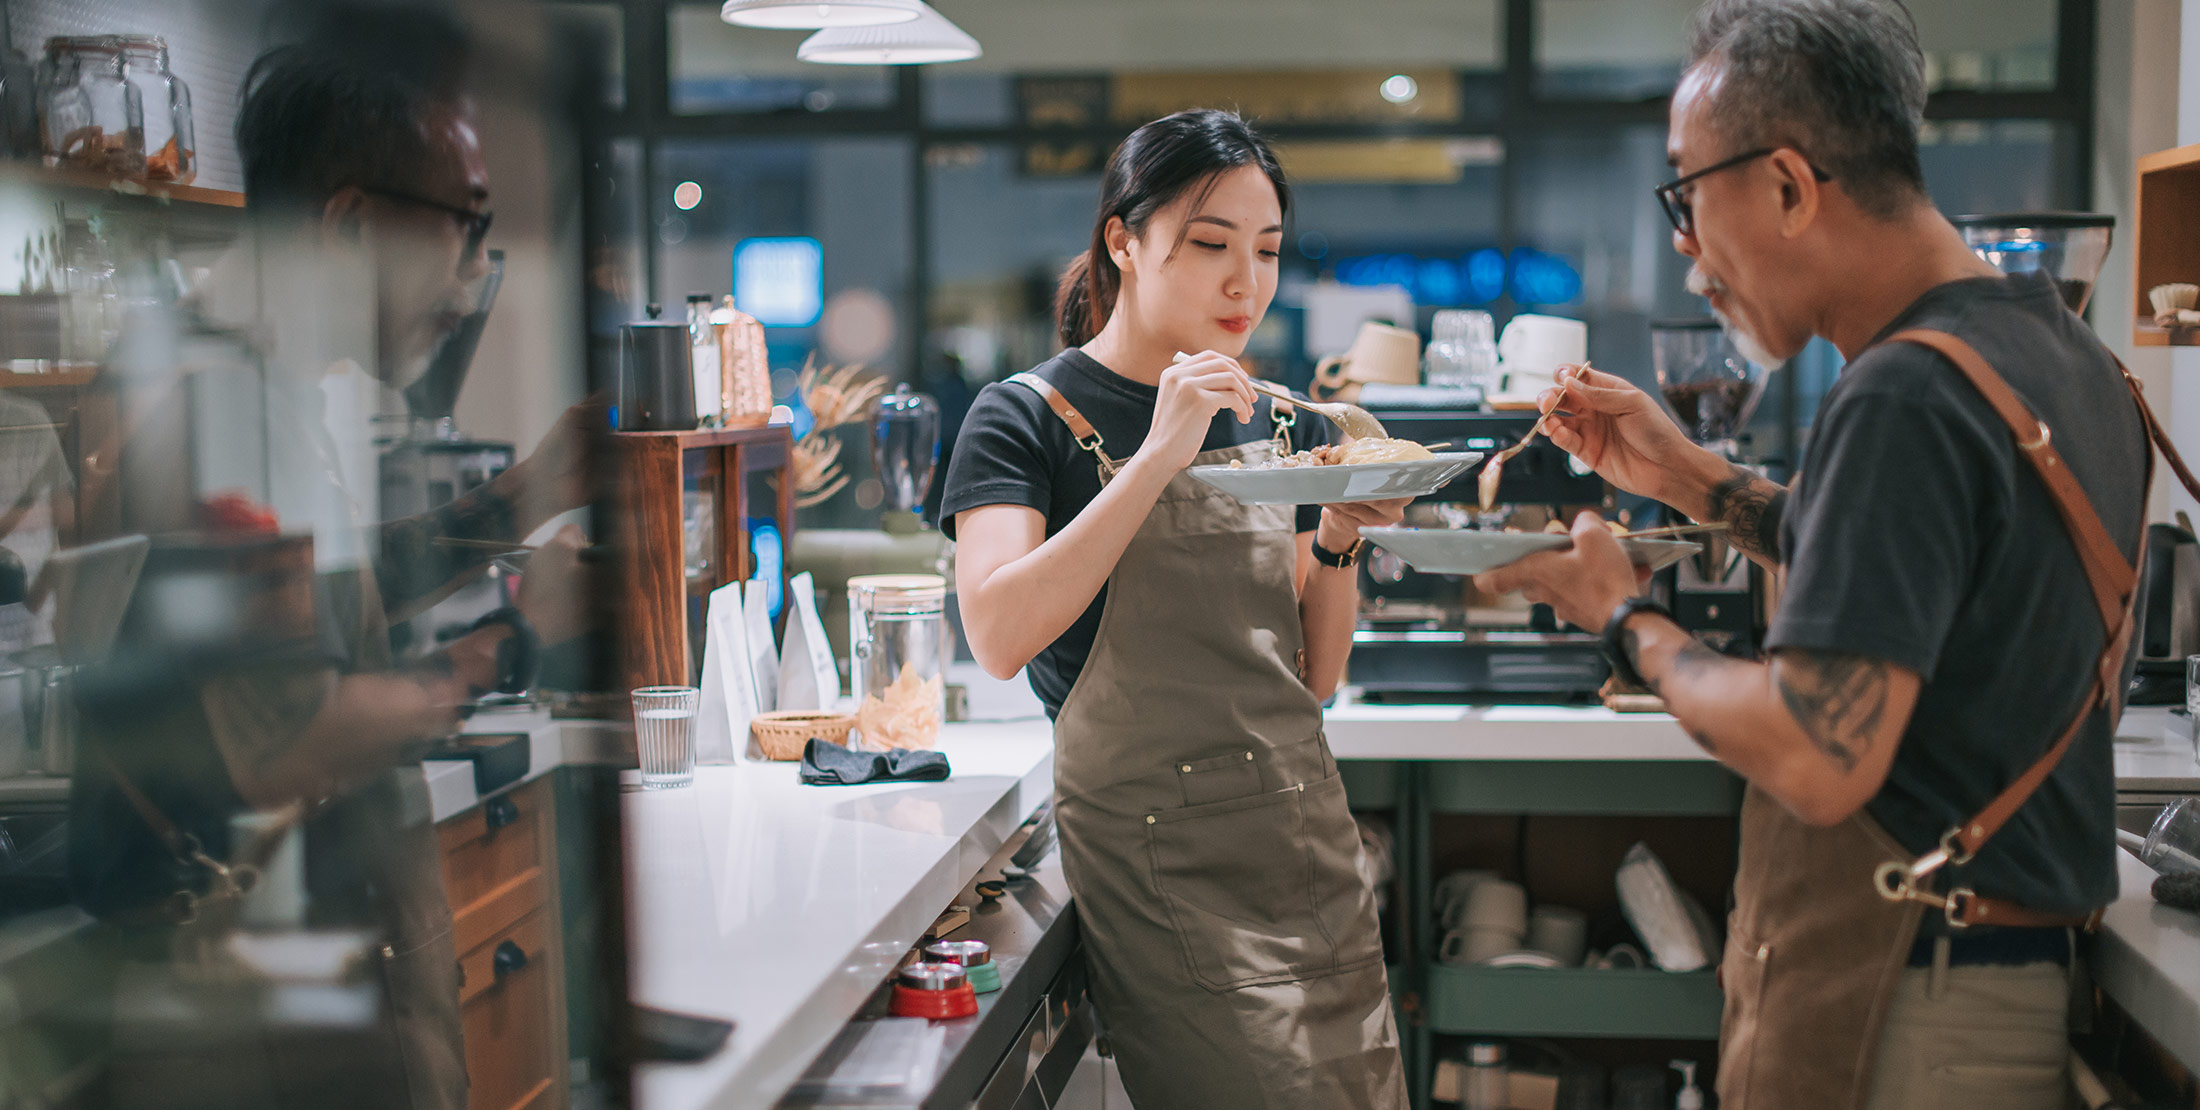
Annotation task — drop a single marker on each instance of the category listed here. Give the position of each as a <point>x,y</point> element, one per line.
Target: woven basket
<point>783,735</point>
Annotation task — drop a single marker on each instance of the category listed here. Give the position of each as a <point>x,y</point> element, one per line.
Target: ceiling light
<point>811,14</point>
<point>687,195</point>
<point>927,39</point>
<point>1400,89</point>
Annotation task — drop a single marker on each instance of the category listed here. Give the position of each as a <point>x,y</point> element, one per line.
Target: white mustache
<point>1704,285</point>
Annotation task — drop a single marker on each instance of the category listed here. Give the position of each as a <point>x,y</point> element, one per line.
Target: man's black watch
<point>1613,642</point>
<point>1342,560</point>
<point>516,653</point>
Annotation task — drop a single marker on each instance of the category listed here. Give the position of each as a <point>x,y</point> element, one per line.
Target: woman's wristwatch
<point>1342,560</point>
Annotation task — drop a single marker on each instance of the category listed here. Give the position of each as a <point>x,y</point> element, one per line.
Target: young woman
<point>1183,643</point>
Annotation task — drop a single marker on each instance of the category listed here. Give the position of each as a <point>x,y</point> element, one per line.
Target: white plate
<point>1326,485</point>
<point>1462,551</point>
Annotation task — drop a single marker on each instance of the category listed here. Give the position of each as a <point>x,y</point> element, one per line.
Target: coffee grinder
<point>432,464</point>
<point>1719,593</point>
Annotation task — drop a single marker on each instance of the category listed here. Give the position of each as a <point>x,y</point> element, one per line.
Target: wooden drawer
<point>496,862</point>
<point>510,1018</point>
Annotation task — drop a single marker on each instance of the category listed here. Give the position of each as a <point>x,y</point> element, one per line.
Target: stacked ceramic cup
<point>1485,918</point>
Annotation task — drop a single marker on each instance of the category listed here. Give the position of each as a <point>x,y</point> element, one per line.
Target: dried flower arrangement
<point>836,396</point>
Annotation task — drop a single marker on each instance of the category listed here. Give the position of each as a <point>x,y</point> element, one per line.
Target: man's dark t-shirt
<point>1013,450</point>
<point>1916,534</point>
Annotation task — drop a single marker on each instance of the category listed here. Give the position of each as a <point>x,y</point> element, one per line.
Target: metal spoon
<point>1356,421</point>
<point>1493,471</point>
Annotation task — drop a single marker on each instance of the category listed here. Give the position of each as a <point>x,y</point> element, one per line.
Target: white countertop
<point>783,906</point>
<point>2154,753</point>
<point>2147,957</point>
<point>1504,732</point>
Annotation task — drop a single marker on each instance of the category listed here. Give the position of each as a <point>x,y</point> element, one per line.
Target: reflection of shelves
<point>1574,1002</point>
<point>66,376</point>
<point>68,178</point>
<point>2167,233</point>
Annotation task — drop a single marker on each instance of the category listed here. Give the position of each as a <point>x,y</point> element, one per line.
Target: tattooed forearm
<point>1751,505</point>
<point>1838,700</point>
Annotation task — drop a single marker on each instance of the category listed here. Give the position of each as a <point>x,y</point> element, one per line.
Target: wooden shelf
<point>1574,1002</point>
<point>2166,232</point>
<point>710,437</point>
<point>66,376</point>
<point>65,177</point>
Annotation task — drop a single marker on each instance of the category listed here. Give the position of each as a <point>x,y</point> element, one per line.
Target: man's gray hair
<point>1841,81</point>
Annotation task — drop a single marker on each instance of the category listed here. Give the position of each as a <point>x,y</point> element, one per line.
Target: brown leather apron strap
<point>2113,583</point>
<point>2112,579</point>
<point>1088,437</point>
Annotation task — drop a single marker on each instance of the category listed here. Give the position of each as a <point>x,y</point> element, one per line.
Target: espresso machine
<point>1432,637</point>
<point>1719,593</point>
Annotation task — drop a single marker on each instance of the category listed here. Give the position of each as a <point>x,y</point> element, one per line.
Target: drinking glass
<point>664,733</point>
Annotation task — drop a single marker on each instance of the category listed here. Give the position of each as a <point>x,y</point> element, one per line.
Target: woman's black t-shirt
<point>1013,450</point>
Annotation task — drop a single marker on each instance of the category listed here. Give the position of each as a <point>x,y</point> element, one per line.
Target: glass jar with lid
<point>90,116</point>
<point>905,447</point>
<point>898,654</point>
<point>171,154</point>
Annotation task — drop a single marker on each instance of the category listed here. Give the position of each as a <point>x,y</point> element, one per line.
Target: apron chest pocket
<point>1220,779</point>
<point>1258,890</point>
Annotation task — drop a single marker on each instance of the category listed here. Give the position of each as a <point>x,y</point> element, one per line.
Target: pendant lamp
<point>810,14</point>
<point>927,39</point>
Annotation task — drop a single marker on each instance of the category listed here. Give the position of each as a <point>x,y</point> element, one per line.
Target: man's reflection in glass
<point>254,683</point>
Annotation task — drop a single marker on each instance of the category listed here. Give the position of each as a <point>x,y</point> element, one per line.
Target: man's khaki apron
<point>1824,918</point>
<point>1233,946</point>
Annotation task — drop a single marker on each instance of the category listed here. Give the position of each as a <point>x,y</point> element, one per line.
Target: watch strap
<point>1349,557</point>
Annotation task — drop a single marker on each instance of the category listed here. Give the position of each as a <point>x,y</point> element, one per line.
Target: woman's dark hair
<point>1160,162</point>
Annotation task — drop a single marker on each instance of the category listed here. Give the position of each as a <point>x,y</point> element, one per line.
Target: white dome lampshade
<point>811,14</point>
<point>929,38</point>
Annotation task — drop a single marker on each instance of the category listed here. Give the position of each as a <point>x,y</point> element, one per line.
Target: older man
<point>1957,586</point>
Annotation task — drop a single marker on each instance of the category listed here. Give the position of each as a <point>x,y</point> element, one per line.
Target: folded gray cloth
<point>825,763</point>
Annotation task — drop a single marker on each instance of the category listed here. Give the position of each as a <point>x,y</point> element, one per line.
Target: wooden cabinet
<point>2166,239</point>
<point>500,872</point>
<point>721,487</point>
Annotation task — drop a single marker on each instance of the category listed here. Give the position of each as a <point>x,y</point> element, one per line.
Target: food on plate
<point>907,716</point>
<point>1350,453</point>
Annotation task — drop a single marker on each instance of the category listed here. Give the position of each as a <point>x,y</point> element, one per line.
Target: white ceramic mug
<point>1450,896</point>
<point>1498,905</point>
<point>1379,353</point>
<point>1473,944</point>
<point>1533,347</point>
<point>1559,932</point>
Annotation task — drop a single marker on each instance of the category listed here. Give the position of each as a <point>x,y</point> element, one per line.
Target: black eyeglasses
<point>475,224</point>
<point>1676,205</point>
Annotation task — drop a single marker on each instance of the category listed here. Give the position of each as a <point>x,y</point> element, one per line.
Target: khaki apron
<point>1234,952</point>
<point>1824,918</point>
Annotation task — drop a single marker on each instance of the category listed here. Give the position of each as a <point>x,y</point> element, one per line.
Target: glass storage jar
<point>90,116</point>
<point>171,154</point>
<point>898,653</point>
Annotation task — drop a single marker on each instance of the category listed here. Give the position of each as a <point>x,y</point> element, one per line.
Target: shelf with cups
<point>2166,233</point>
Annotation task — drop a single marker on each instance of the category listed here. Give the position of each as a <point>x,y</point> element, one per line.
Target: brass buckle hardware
<point>1904,882</point>
<point>2036,444</point>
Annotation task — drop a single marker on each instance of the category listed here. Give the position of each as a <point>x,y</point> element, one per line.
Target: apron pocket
<point>1237,879</point>
<point>1259,889</point>
<point>1220,779</point>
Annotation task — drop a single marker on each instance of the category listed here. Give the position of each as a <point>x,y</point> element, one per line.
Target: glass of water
<point>664,733</point>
